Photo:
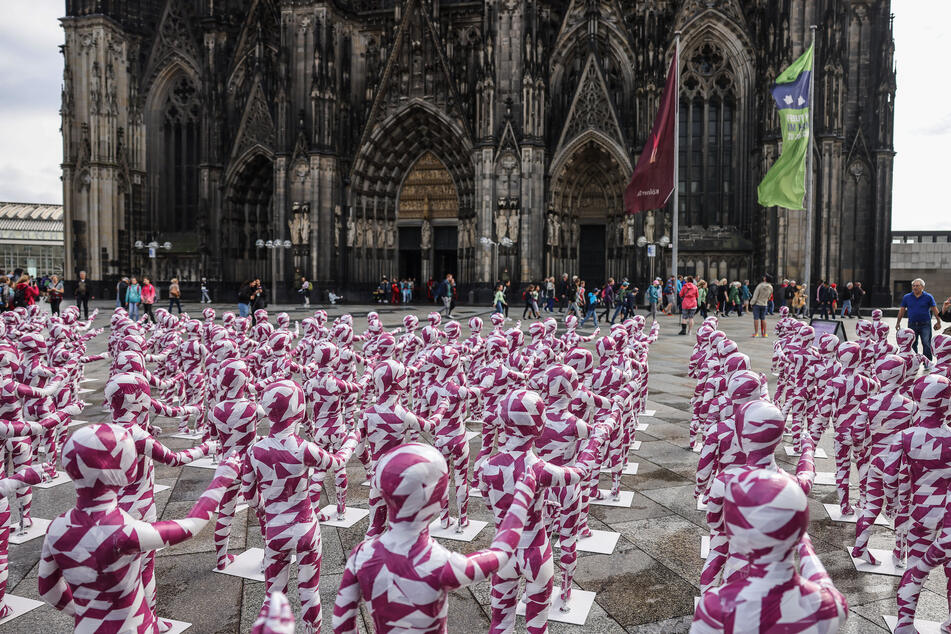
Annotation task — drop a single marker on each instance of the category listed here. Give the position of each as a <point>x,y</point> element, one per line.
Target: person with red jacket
<point>688,305</point>
<point>29,292</point>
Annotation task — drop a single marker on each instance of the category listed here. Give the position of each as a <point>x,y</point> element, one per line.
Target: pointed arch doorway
<point>427,215</point>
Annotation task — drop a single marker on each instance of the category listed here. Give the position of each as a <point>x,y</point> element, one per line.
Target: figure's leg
<point>504,596</point>
<point>22,457</point>
<point>4,545</point>
<point>716,558</point>
<point>914,578</point>
<point>874,500</point>
<point>460,468</point>
<point>539,571</point>
<point>308,579</point>
<point>223,525</point>
<point>277,564</point>
<point>340,488</point>
<point>377,511</point>
<point>843,467</point>
<point>570,512</point>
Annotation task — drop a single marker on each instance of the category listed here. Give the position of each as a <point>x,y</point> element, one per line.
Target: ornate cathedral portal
<point>491,140</point>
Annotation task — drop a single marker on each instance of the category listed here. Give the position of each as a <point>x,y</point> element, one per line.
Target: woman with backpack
<point>174,295</point>
<point>133,297</point>
<point>24,293</point>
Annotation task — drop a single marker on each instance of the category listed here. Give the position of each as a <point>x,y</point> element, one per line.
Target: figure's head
<point>571,322</point>
<point>877,314</point>
<point>227,320</point>
<point>862,328</point>
<point>389,376</point>
<point>283,320</point>
<point>9,359</point>
<point>828,344</point>
<point>373,317</point>
<point>412,479</point>
<point>283,402</point>
<point>280,342</point>
<point>453,330</point>
<point>941,347</point>
<point>127,395</point>
<point>320,316</point>
<point>759,425</point>
<point>475,325</point>
<point>784,311</point>
<point>849,354</point>
<point>932,393</point>
<point>410,323</point>
<point>735,362</point>
<point>326,355</point>
<point>232,379</point>
<point>521,413</point>
<point>580,360</point>
<point>551,326</point>
<point>537,330</point>
<point>560,381</point>
<point>129,361</point>
<point>606,348</point>
<point>496,347</point>
<point>343,334</point>
<point>434,319</point>
<point>890,372</point>
<point>32,345</point>
<point>100,458</point>
<point>515,338</point>
<point>208,314</point>
<point>880,330</point>
<point>497,320</point>
<point>726,347</point>
<point>905,338</point>
<point>260,316</point>
<point>744,386</point>
<point>765,515</point>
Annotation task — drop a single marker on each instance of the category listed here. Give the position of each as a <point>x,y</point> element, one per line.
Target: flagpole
<point>810,180</point>
<point>675,224</point>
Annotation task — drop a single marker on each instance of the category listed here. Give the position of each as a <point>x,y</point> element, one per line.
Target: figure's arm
<point>428,425</point>
<point>146,536</point>
<point>347,603</point>
<point>806,467</point>
<point>51,584</point>
<point>171,411</point>
<point>27,476</point>
<point>249,485</point>
<point>463,570</point>
<point>160,453</point>
<point>811,568</point>
<point>315,456</point>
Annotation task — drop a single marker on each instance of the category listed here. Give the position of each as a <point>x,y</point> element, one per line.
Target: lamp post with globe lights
<point>273,246</point>
<point>663,243</point>
<point>489,243</point>
<point>153,246</point>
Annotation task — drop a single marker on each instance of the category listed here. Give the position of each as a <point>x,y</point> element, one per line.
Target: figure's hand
<point>230,467</point>
<point>48,471</point>
<point>192,410</point>
<point>74,409</point>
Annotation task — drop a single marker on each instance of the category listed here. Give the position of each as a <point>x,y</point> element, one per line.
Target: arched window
<point>178,156</point>
<point>707,128</point>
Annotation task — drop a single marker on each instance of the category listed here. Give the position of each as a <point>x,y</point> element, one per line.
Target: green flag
<point>785,183</point>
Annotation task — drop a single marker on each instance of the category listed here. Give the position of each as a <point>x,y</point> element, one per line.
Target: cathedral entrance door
<point>411,257</point>
<point>444,252</point>
<point>591,254</point>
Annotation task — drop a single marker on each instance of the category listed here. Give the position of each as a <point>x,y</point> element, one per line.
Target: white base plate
<point>601,542</point>
<point>629,469</point>
<point>84,390</point>
<point>467,535</point>
<point>471,434</point>
<point>351,516</point>
<point>61,478</point>
<point>158,488</point>
<point>177,626</point>
<point>704,547</point>
<point>37,530</point>
<point>649,412</point>
<point>627,499</point>
<point>579,606</point>
<point>185,436</point>
<point>819,453</point>
<point>635,445</point>
<point>701,505</point>
<point>835,514</point>
<point>891,622</point>
<point>204,463</point>
<point>824,478</point>
<point>697,448</point>
<point>18,606</point>
<point>87,380</point>
<point>247,565</point>
<point>76,422</point>
<point>474,492</point>
<point>886,563</point>
<point>641,426</point>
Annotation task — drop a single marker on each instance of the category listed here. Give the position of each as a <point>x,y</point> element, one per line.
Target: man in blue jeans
<point>920,307</point>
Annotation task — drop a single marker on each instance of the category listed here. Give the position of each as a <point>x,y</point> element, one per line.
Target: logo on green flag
<point>785,183</point>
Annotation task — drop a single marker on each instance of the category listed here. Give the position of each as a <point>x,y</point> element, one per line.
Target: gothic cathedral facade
<point>485,138</point>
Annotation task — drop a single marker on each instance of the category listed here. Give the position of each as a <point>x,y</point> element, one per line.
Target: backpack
<point>19,296</point>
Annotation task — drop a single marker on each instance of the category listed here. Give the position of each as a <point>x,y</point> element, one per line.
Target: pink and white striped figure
<point>384,426</point>
<point>275,617</point>
<point>235,419</point>
<point>277,482</point>
<point>905,338</point>
<point>432,335</point>
<point>879,423</point>
<point>498,322</point>
<point>522,417</point>
<point>571,339</point>
<point>941,348</point>
<point>403,574</point>
<point>923,456</point>
<point>805,362</point>
<point>409,344</point>
<point>827,368</point>
<point>475,346</point>
<point>758,430</point>
<point>841,398</point>
<point>94,558</point>
<point>326,395</point>
<point>766,515</point>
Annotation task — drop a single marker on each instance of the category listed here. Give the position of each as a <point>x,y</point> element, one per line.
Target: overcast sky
<point>31,71</point>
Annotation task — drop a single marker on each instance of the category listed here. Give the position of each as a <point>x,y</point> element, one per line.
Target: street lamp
<point>273,245</point>
<point>153,247</point>
<point>489,243</point>
<point>663,243</point>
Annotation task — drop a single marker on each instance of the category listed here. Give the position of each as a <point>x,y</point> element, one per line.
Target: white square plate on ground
<point>701,505</point>
<point>601,542</point>
<point>835,514</point>
<point>697,448</point>
<point>649,412</point>
<point>351,516</point>
<point>471,434</point>
<point>88,380</point>
<point>818,453</point>
<point>704,547</point>
<point>247,565</point>
<point>629,469</point>
<point>886,563</point>
<point>627,499</point>
<point>579,607</point>
<point>203,463</point>
<point>158,488</point>
<point>641,427</point>
<point>825,478</point>
<point>76,422</point>
<point>20,606</point>
<point>37,530</point>
<point>177,626</point>
<point>923,626</point>
<point>474,492</point>
<point>467,535</point>
<point>635,445</point>
<point>84,390</point>
<point>61,478</point>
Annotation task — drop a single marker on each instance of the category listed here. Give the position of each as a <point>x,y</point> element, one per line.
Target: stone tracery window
<point>708,111</point>
<point>178,181</point>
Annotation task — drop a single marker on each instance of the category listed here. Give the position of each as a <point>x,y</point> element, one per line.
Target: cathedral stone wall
<point>487,139</point>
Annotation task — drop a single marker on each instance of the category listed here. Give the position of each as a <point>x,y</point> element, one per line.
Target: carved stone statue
<point>552,231</point>
<point>370,233</point>
<point>359,234</point>
<point>390,234</point>
<point>501,224</point>
<point>513,225</point>
<point>350,231</point>
<point>630,231</point>
<point>426,235</point>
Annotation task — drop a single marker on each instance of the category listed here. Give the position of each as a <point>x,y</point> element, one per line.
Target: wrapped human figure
<point>403,574</point>
<point>94,556</point>
<point>278,482</point>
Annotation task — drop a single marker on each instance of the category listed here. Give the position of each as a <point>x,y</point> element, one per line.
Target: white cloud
<point>31,74</point>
